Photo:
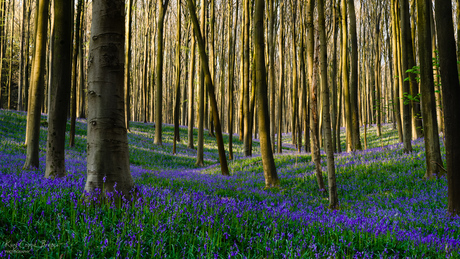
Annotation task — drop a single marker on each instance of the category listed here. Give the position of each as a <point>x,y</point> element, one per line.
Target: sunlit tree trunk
<point>231,72</point>
<point>345,86</point>
<point>37,87</point>
<point>191,95</point>
<point>210,88</point>
<point>271,69</point>
<point>405,53</point>
<point>311,63</point>
<point>335,28</point>
<point>201,89</point>
<point>60,88</point>
<point>281,81</point>
<point>332,186</point>
<point>177,86</point>
<point>162,7</point>
<point>271,177</point>
<point>128,65</point>
<point>395,90</point>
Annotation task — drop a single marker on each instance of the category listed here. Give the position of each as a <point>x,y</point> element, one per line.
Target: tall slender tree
<point>333,198</point>
<point>210,89</point>
<point>281,81</point>
<point>430,125</point>
<point>60,88</point>
<point>191,94</point>
<point>271,68</point>
<point>20,105</point>
<point>201,89</point>
<point>246,98</point>
<point>356,142</point>
<point>405,57</point>
<point>345,84</point>
<point>316,157</point>
<point>37,87</point>
<point>162,8</point>
<point>271,177</point>
<point>128,64</point>
<point>231,72</point>
<point>177,86</point>
<point>73,104</point>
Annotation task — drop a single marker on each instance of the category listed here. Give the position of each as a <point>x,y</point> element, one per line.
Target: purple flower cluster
<point>386,209</point>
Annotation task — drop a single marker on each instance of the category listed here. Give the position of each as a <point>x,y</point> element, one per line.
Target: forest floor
<point>386,209</point>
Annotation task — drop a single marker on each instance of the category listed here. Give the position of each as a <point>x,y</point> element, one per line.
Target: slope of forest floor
<point>386,209</point>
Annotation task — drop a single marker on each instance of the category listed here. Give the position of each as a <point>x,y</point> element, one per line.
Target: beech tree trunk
<point>312,63</point>
<point>108,156</point>
<point>281,81</point>
<point>356,141</point>
<point>405,42</point>
<point>37,87</point>
<point>271,177</point>
<point>345,85</point>
<point>231,73</point>
<point>191,95</point>
<point>430,124</point>
<point>177,87</point>
<point>73,104</point>
<point>60,88</point>
<point>450,92</point>
<point>201,90</point>
<point>210,88</point>
<point>332,186</point>
<point>159,73</point>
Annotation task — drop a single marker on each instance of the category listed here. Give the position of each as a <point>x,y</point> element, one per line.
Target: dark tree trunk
<point>450,92</point>
<point>60,88</point>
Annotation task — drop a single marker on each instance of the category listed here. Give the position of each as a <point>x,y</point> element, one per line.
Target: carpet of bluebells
<point>386,210</point>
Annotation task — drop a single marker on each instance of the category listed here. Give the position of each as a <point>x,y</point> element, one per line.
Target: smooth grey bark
<point>405,52</point>
<point>231,73</point>
<point>332,185</point>
<point>395,90</point>
<point>271,177</point>
<point>335,28</point>
<point>60,88</point>
<point>271,69</point>
<point>281,82</point>
<point>177,86</point>
<point>159,72</point>
<point>191,95</point>
<point>107,148</point>
<point>201,89</point>
<point>37,87</point>
<point>345,84</point>
<point>312,61</point>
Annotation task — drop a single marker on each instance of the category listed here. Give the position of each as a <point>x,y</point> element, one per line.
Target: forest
<point>229,129</point>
